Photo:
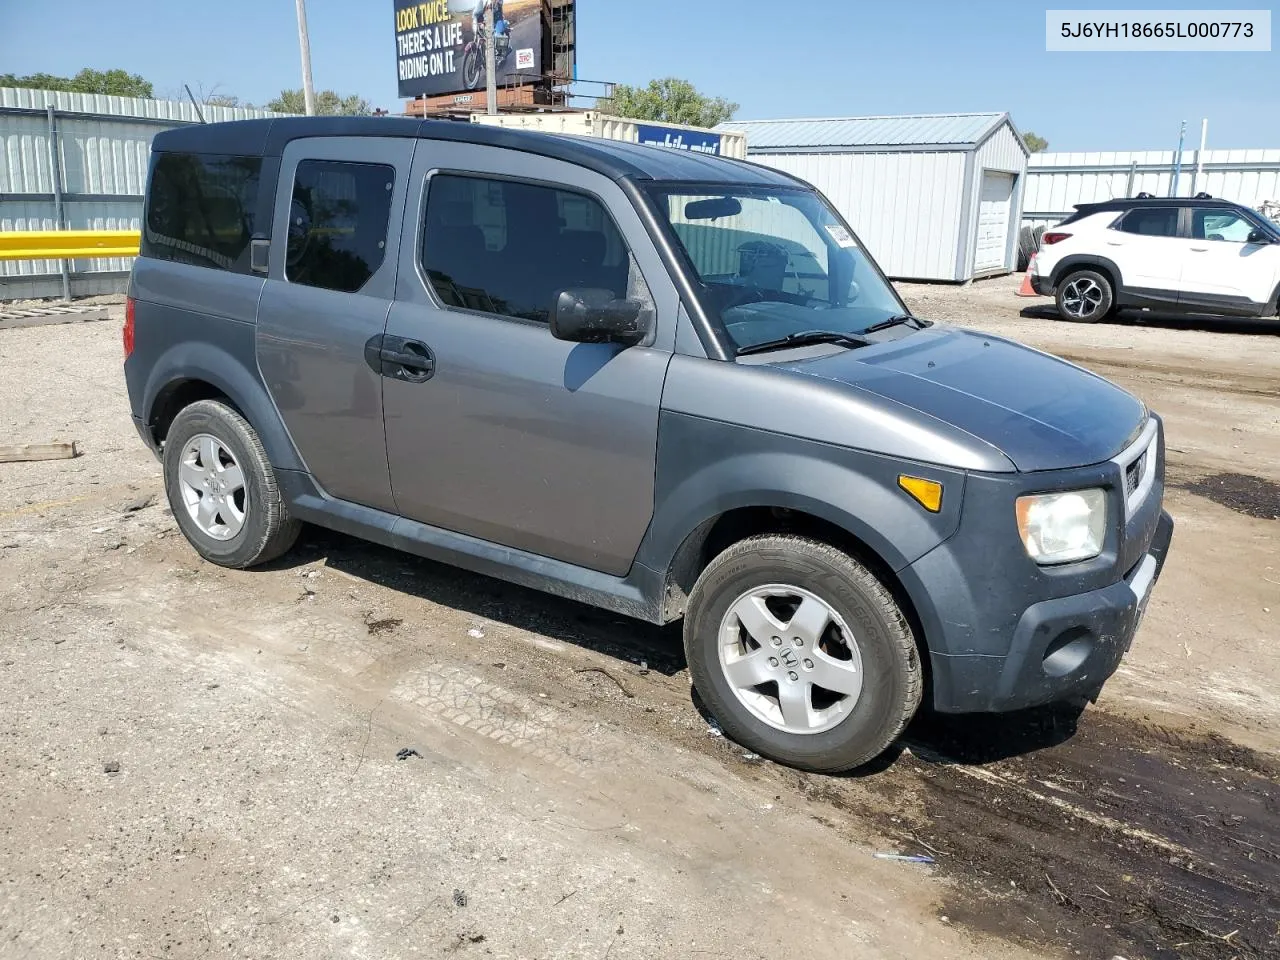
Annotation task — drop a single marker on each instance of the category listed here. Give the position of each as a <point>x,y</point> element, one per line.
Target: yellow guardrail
<point>67,244</point>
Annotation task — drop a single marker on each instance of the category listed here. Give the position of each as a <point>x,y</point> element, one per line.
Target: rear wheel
<point>801,654</point>
<point>1085,296</point>
<point>222,488</point>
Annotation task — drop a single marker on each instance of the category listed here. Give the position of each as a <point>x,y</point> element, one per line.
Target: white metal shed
<point>933,196</point>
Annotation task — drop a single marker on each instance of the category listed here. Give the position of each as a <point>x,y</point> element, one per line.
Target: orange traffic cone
<point>1026,290</point>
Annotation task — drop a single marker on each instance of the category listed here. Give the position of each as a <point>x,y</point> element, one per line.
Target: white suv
<point>1192,256</point>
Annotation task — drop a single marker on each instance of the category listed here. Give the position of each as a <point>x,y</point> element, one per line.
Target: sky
<point>774,58</point>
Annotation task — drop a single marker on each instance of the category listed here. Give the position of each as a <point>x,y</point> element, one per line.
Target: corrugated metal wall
<point>103,147</point>
<point>1002,152</point>
<point>1058,181</point>
<point>905,207</point>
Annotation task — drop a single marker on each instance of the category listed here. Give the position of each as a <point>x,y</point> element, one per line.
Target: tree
<point>210,96</point>
<point>1034,143</point>
<point>116,83</point>
<point>670,100</point>
<point>328,104</point>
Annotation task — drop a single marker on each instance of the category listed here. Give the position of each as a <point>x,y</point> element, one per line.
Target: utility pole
<point>1177,161</point>
<point>490,63</point>
<point>304,42</point>
<point>1204,136</point>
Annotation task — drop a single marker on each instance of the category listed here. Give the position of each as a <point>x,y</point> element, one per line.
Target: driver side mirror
<point>590,315</point>
<point>1257,236</point>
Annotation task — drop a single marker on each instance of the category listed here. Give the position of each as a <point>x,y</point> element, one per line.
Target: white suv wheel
<point>1084,296</point>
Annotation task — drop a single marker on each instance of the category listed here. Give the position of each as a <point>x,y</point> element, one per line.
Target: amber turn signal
<point>927,493</point>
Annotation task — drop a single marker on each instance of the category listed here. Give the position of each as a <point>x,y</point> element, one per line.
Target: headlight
<point>1062,527</point>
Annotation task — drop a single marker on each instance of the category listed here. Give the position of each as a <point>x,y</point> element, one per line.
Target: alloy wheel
<point>213,487</point>
<point>1081,298</point>
<point>790,659</point>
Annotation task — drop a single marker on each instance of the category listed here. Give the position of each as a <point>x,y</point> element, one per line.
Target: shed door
<point>993,221</point>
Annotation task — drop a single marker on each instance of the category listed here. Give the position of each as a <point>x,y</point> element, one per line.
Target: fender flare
<point>1077,261</point>
<point>1273,305</point>
<point>901,534</point>
<point>205,362</point>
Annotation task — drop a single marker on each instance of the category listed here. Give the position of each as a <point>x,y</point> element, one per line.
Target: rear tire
<point>223,490</point>
<point>1084,296</point>
<point>801,654</point>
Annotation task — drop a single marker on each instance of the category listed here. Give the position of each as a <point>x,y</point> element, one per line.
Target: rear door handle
<point>407,360</point>
<point>1199,249</point>
<point>401,359</point>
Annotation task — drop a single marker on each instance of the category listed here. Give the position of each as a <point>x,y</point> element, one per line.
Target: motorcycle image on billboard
<point>441,44</point>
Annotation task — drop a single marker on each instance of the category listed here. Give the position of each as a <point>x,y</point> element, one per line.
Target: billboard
<point>679,138</point>
<point>438,51</point>
<point>564,40</point>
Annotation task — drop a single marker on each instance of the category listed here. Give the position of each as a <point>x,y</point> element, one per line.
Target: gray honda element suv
<point>671,385</point>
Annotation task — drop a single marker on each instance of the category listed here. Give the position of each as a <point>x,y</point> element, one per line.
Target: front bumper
<point>1003,632</point>
<point>1062,649</point>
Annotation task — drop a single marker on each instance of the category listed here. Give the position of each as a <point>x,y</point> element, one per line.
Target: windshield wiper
<point>805,339</point>
<point>896,321</point>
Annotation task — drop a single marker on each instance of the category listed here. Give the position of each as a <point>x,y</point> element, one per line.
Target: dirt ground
<point>200,763</point>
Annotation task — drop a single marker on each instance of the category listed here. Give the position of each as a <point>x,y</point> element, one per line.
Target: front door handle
<point>1199,249</point>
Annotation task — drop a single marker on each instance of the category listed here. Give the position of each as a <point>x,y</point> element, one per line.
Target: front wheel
<point>473,67</point>
<point>1084,296</point>
<point>801,653</point>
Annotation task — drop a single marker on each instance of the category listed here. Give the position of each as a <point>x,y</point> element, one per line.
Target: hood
<point>1041,412</point>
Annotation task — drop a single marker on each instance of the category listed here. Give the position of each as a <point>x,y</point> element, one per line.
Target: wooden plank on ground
<point>22,452</point>
<point>13,319</point>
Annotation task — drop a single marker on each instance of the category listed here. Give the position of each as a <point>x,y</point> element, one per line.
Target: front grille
<point>1138,466</point>
<point>1133,475</point>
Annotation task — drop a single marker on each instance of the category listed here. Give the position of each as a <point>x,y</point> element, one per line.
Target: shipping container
<point>592,123</point>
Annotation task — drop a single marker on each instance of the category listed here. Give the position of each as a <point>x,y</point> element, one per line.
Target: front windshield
<point>774,262</point>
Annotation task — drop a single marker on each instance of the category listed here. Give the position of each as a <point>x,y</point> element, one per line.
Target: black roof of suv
<point>613,158</point>
<point>1130,203</point>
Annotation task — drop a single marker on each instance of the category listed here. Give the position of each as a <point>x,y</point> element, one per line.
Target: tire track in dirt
<point>1116,837</point>
<point>1215,380</point>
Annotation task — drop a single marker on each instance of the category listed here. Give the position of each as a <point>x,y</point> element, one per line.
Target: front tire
<point>801,653</point>
<point>472,68</point>
<point>1084,296</point>
<point>223,490</point>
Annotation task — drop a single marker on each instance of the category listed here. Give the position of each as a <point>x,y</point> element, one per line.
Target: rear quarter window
<point>202,210</point>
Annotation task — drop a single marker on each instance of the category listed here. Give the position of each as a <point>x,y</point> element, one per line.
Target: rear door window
<point>1151,222</point>
<point>338,219</point>
<point>510,248</point>
<point>202,210</point>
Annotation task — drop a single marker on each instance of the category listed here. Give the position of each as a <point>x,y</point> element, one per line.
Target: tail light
<point>128,327</point>
<point>1052,238</point>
